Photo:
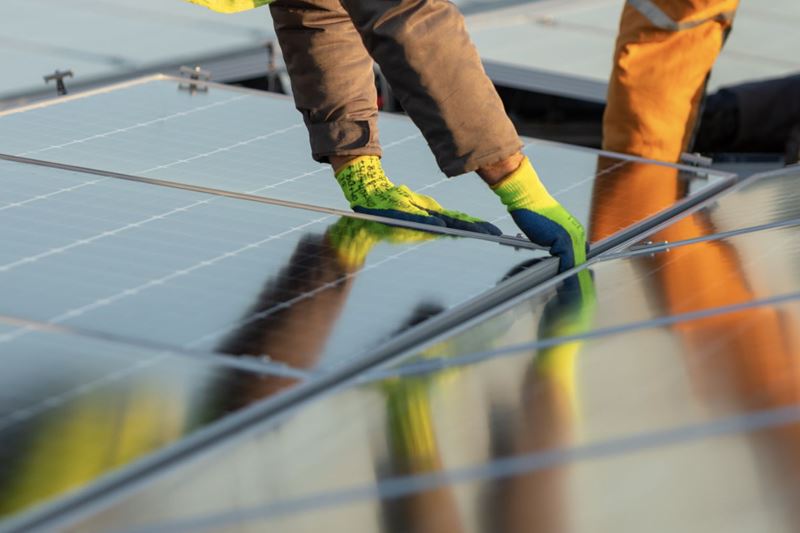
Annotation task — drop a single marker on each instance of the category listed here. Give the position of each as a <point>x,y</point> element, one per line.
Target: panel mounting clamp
<point>59,76</point>
<point>195,74</point>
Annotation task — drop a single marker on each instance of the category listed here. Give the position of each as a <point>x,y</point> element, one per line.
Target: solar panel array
<point>529,429</point>
<point>254,143</point>
<point>176,264</point>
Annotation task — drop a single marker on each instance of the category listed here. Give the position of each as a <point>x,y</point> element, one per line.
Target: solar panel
<point>225,275</point>
<point>491,431</point>
<point>663,287</point>
<point>664,480</point>
<point>762,201</point>
<point>74,408</point>
<point>255,143</point>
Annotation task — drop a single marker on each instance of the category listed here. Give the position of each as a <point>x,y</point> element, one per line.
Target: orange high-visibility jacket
<point>664,52</point>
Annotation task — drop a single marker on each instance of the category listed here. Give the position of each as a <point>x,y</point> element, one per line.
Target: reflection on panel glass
<point>257,144</point>
<point>771,199</point>
<point>73,409</point>
<point>511,443</point>
<point>667,286</point>
<point>217,274</point>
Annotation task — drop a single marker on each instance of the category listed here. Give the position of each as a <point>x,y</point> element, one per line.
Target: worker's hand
<point>353,238</point>
<point>541,217</point>
<point>369,191</point>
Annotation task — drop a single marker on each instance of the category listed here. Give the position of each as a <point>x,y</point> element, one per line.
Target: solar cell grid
<point>242,142</point>
<point>103,256</point>
<point>150,264</point>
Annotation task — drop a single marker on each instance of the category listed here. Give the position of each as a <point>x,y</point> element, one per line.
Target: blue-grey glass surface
<point>773,198</point>
<point>103,38</point>
<point>679,417</point>
<point>74,408</point>
<point>211,273</point>
<point>666,287</point>
<point>257,144</point>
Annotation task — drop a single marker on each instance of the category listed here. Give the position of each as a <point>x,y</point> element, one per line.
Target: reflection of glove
<point>353,238</point>
<point>541,217</point>
<point>369,191</point>
<point>410,419</point>
<point>569,313</point>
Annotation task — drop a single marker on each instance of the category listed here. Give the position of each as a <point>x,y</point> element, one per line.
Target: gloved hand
<point>353,238</point>
<point>369,191</point>
<point>541,217</point>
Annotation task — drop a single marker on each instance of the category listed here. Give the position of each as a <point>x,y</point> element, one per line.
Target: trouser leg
<point>423,49</point>
<point>664,53</point>
<point>332,77</point>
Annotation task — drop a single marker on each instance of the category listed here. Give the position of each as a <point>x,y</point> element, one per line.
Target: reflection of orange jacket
<point>738,361</point>
<point>664,52</point>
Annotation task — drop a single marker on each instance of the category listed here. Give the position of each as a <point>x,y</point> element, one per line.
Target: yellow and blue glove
<point>541,217</point>
<point>369,191</point>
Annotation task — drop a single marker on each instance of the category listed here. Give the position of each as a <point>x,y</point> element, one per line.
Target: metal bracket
<point>195,74</point>
<point>696,160</point>
<point>59,76</point>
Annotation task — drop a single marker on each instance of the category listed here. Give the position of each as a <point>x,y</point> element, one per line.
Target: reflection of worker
<point>424,51</point>
<point>310,292</point>
<point>755,347</point>
<point>549,412</point>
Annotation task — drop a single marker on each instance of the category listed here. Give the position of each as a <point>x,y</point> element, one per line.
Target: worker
<point>434,69</point>
<point>664,52</point>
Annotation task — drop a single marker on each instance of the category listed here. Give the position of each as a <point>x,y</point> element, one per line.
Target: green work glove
<point>369,191</point>
<point>541,217</point>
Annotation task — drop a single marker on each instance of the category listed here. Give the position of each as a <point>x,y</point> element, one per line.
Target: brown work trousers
<point>423,50</point>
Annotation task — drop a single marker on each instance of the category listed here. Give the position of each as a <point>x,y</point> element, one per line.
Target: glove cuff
<point>522,189</point>
<point>361,178</point>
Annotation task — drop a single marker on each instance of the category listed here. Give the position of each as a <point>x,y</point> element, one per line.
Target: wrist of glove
<point>369,191</point>
<point>543,220</point>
